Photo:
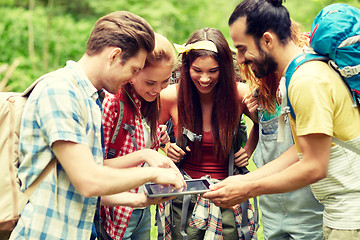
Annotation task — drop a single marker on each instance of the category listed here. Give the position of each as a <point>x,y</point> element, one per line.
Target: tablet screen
<point>193,187</point>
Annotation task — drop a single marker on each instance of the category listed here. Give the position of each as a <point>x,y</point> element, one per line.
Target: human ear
<point>115,55</point>
<point>268,40</point>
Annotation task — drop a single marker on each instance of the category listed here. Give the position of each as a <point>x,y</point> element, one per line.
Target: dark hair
<point>124,30</point>
<point>262,16</point>
<point>225,112</point>
<point>267,87</point>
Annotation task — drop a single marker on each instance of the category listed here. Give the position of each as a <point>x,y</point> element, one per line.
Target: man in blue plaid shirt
<point>62,119</point>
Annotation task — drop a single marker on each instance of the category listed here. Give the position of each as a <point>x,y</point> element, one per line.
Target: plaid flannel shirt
<point>207,216</point>
<point>53,112</point>
<point>117,218</point>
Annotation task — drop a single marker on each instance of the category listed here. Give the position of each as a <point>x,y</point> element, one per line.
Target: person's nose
<point>204,77</point>
<point>240,58</point>
<point>158,88</point>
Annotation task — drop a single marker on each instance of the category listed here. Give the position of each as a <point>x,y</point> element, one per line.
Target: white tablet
<point>194,186</point>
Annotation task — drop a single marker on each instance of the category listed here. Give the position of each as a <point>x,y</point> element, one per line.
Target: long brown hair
<point>225,112</point>
<point>268,86</point>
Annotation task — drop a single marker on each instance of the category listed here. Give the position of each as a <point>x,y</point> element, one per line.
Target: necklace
<point>142,118</point>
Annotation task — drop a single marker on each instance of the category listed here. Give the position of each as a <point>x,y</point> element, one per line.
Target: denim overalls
<point>292,215</point>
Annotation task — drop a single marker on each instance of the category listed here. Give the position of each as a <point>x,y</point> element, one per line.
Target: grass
<point>251,167</point>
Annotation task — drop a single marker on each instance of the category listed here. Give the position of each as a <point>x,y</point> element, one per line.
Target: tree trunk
<point>31,46</point>
<point>47,35</point>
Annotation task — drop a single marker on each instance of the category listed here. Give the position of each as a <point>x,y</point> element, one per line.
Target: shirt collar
<point>81,79</point>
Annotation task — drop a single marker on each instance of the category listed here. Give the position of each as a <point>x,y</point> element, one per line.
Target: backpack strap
<point>346,145</point>
<point>239,141</point>
<point>188,136</point>
<point>53,162</point>
<point>184,212</point>
<point>117,135</point>
<point>245,205</point>
<point>159,225</point>
<point>293,66</point>
<point>33,186</point>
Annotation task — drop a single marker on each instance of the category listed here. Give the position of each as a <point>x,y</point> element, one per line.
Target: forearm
<point>283,174</point>
<point>91,179</point>
<point>129,160</point>
<point>294,177</point>
<point>106,180</point>
<point>285,160</point>
<point>252,140</point>
<point>121,199</point>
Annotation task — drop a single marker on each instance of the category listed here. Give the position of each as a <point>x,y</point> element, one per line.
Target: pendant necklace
<point>142,118</point>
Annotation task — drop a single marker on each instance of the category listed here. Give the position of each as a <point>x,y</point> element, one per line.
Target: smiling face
<point>151,80</point>
<point>250,53</point>
<point>204,73</point>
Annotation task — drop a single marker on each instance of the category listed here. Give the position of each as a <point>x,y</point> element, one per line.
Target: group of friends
<point>308,187</point>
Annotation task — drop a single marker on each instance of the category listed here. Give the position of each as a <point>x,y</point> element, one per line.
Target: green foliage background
<point>61,27</point>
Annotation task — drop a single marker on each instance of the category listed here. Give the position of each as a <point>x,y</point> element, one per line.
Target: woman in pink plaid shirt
<point>140,97</point>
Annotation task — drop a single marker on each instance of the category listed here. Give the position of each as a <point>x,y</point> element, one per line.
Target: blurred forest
<point>37,36</point>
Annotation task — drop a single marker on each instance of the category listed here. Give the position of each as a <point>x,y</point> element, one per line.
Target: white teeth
<point>204,85</point>
<point>153,94</point>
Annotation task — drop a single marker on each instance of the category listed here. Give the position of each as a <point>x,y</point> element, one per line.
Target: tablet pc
<point>194,186</point>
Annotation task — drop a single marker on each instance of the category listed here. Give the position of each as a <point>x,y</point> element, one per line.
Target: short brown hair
<point>124,30</point>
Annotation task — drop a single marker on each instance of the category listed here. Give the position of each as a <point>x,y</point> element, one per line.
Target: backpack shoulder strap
<point>114,148</point>
<point>240,139</point>
<point>346,145</point>
<point>293,66</point>
<point>52,164</point>
<point>28,90</point>
<point>119,131</point>
<point>187,136</point>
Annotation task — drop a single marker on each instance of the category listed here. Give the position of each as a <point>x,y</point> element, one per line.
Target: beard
<point>265,65</point>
